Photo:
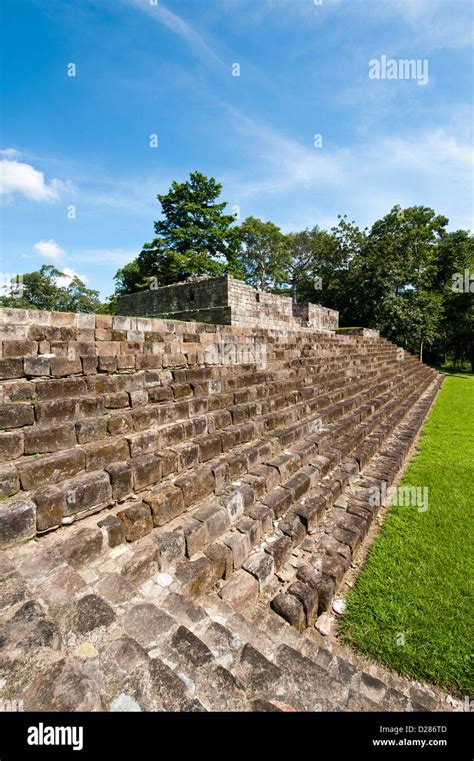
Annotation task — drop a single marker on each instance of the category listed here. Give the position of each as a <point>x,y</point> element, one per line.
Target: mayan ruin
<point>236,378</point>
<point>174,532</point>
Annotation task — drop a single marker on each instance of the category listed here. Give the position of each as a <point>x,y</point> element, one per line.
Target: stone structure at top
<point>227,301</point>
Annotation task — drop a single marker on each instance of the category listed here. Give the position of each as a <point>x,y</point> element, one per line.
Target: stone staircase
<point>215,512</point>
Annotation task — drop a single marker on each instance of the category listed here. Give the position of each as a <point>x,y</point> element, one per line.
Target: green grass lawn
<point>411,607</point>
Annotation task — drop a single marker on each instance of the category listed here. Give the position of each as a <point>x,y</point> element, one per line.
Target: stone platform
<point>227,301</point>
<point>174,530</point>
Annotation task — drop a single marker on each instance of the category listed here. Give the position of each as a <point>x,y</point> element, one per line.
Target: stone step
<point>308,591</point>
<point>299,503</point>
<point>117,478</point>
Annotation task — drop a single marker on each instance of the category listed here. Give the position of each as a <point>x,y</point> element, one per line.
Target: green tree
<point>41,291</point>
<point>264,256</point>
<point>392,275</point>
<point>194,237</point>
<point>317,267</point>
<point>455,279</point>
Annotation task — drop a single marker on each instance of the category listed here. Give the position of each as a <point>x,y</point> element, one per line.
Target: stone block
<point>196,485</point>
<point>11,445</point>
<point>87,492</point>
<point>36,366</point>
<point>249,527</point>
<point>166,503</point>
<point>146,624</point>
<point>17,521</point>
<point>291,609</point>
<point>82,546</point>
<point>16,415</point>
<point>63,687</point>
<point>39,440</point>
<point>51,468</point>
<point>112,528</point>
<point>93,429</point>
<point>121,479</point>
<point>308,597</point>
<point>9,481</point>
<point>279,500</point>
<point>298,485</point>
<point>169,549</point>
<point>239,544</point>
<point>119,423</point>
<point>196,577</point>
<point>66,388</point>
<point>147,470</point>
<point>141,566</point>
<point>137,521</point>
<point>311,512</point>
<point>221,555</point>
<point>61,366</point>
<point>11,368</point>
<point>280,550</point>
<point>56,412</point>
<point>215,517</point>
<point>99,454</point>
<point>222,477</point>
<point>261,565</point>
<point>210,447</point>
<point>293,526</point>
<point>90,613</point>
<point>262,514</point>
<point>241,588</point>
<point>196,536</point>
<point>50,505</point>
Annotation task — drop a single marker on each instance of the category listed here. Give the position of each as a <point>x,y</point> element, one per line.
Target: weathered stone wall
<point>89,404</point>
<point>200,300</point>
<point>227,301</point>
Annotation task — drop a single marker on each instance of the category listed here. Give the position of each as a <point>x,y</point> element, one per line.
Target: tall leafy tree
<point>264,256</point>
<point>393,275</point>
<point>455,280</point>
<point>194,237</point>
<point>317,267</point>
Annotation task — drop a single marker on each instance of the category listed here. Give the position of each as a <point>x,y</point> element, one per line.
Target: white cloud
<point>49,249</point>
<point>68,275</point>
<point>23,179</point>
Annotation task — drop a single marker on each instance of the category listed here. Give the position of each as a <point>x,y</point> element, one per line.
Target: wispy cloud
<point>433,167</point>
<point>433,24</point>
<point>10,153</point>
<point>106,256</point>
<point>178,26</point>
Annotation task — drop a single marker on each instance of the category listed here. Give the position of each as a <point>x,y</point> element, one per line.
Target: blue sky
<point>166,69</point>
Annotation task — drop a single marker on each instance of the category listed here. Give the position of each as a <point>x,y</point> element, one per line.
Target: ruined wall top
<point>227,301</point>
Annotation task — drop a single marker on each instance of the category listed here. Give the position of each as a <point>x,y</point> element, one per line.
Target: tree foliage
<point>194,237</point>
<point>263,256</point>
<point>41,291</point>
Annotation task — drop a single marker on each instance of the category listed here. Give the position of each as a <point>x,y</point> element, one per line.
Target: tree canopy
<point>194,237</point>
<point>40,290</point>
